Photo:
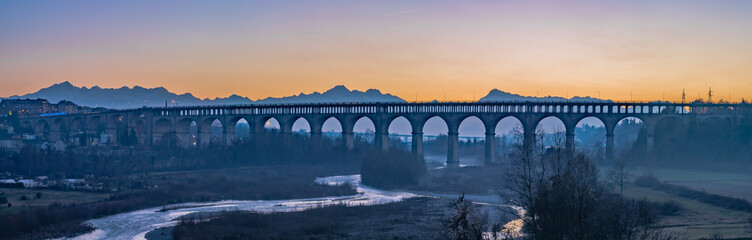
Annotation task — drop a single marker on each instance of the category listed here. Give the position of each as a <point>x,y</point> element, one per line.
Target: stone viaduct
<point>152,124</point>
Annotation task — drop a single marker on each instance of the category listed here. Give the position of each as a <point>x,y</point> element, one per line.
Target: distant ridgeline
<point>136,97</point>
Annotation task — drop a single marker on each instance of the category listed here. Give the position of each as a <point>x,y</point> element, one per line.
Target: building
<point>24,107</point>
<point>65,106</point>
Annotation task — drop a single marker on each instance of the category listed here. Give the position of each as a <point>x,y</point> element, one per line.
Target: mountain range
<point>497,95</point>
<point>135,97</point>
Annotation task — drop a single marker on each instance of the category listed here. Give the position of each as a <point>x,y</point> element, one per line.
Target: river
<point>135,225</point>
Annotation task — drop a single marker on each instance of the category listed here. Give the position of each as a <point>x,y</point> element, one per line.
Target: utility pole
<point>710,95</point>
<point>684,95</point>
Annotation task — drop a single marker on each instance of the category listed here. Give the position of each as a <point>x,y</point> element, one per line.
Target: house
<point>24,107</point>
<point>30,183</point>
<point>67,107</point>
<point>75,184</point>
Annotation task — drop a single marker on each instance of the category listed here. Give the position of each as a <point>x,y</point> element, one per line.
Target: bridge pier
<point>417,144</point>
<point>157,137</point>
<point>204,136</point>
<point>184,138</point>
<point>54,136</point>
<point>610,147</point>
<point>229,138</point>
<point>149,136</point>
<point>114,133</point>
<point>528,144</point>
<point>348,139</point>
<point>649,136</point>
<point>315,130</point>
<point>650,143</point>
<point>316,137</point>
<point>570,145</point>
<point>381,139</point>
<point>453,156</point>
<point>490,148</point>
<point>39,133</point>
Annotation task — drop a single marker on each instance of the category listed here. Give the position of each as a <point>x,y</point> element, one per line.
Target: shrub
<point>393,168</point>
<point>465,223</point>
<point>11,185</point>
<point>670,208</point>
<point>648,181</point>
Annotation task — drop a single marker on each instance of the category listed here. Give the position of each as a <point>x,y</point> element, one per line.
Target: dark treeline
<point>709,143</point>
<point>31,161</point>
<point>264,150</point>
<point>270,148</point>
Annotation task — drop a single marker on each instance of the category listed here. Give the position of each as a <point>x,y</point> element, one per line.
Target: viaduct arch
<point>152,125</point>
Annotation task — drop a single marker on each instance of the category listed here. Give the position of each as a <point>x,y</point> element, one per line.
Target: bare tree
<point>466,223</point>
<point>558,154</point>
<point>619,174</point>
<point>525,175</point>
<point>571,202</point>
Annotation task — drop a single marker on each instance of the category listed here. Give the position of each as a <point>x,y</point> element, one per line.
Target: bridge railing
<point>455,107</point>
<point>445,107</point>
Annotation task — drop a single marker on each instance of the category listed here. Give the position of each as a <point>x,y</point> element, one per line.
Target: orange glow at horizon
<point>418,51</point>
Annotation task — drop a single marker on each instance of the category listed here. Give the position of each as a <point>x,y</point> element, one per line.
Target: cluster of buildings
<point>45,182</point>
<point>13,135</point>
<point>31,107</point>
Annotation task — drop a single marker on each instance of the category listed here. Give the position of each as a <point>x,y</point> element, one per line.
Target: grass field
<point>699,219</point>
<point>727,184</point>
<point>48,197</point>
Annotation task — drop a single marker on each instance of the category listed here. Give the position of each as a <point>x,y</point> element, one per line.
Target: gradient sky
<point>618,49</point>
